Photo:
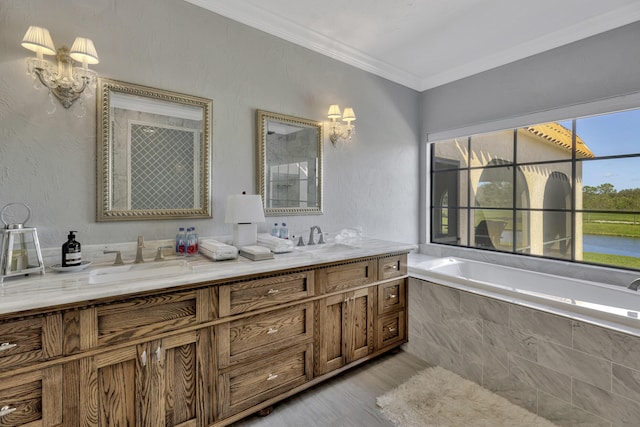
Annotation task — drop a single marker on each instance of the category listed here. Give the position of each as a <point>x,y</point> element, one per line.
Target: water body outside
<point>614,245</point>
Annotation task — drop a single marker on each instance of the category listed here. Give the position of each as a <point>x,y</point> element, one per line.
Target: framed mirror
<point>289,164</point>
<point>153,154</point>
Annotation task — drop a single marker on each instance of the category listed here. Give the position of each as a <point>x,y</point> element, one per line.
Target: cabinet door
<point>116,388</point>
<point>359,323</point>
<point>32,399</point>
<point>331,354</point>
<point>183,378</point>
<point>161,382</point>
<point>345,329</point>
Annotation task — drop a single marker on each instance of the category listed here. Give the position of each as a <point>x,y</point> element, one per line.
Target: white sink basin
<point>326,248</point>
<point>149,270</point>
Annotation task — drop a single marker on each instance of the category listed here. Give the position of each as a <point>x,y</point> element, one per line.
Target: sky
<point>607,135</point>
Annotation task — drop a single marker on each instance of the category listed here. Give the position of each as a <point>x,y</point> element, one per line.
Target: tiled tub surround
<point>570,371</point>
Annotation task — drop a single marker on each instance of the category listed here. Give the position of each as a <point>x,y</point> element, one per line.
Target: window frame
<point>572,211</point>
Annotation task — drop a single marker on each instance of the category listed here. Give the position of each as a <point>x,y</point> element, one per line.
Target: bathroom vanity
<point>202,348</point>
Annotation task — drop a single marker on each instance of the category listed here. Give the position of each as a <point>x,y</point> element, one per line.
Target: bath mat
<point>437,397</point>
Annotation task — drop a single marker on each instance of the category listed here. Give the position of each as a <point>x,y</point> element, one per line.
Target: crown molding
<point>281,27</point>
<point>302,36</point>
<point>566,35</point>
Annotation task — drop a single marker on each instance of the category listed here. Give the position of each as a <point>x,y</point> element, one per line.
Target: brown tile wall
<point>570,372</point>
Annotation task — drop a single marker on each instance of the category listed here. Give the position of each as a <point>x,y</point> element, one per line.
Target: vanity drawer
<point>263,334</point>
<point>346,276</point>
<point>141,317</point>
<point>32,399</point>
<point>237,298</point>
<point>252,383</point>
<point>393,266</point>
<point>390,330</point>
<point>30,340</point>
<point>391,296</point>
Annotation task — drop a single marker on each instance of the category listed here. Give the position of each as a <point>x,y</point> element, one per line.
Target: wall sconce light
<point>337,130</point>
<point>64,80</point>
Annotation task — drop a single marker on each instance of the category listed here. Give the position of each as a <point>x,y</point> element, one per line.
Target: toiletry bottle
<point>275,232</point>
<point>180,239</point>
<point>71,254</point>
<point>195,237</point>
<point>284,231</point>
<point>192,242</point>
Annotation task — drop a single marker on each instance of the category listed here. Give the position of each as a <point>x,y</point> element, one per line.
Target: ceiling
<point>422,44</point>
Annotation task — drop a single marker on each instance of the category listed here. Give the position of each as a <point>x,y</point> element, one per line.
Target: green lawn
<point>611,229</point>
<point>612,260</point>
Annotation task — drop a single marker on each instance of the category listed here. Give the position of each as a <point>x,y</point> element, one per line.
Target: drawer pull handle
<point>6,410</point>
<point>391,267</point>
<point>392,296</point>
<point>272,377</point>
<point>7,346</point>
<point>272,291</point>
<point>159,354</point>
<point>143,358</point>
<point>272,330</point>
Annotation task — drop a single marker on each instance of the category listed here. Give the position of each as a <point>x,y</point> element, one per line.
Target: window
<point>565,190</point>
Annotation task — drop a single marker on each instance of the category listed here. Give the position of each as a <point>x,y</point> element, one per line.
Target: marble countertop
<point>60,288</point>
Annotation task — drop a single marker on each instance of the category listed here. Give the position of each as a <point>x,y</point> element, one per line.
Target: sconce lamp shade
<point>334,111</point>
<point>244,209</point>
<point>38,40</point>
<point>84,51</point>
<point>348,116</point>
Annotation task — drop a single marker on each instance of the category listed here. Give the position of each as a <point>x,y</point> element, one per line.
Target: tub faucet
<point>311,241</point>
<point>139,258</point>
<point>634,285</point>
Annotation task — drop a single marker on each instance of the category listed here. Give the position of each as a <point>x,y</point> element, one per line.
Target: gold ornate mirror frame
<point>153,153</point>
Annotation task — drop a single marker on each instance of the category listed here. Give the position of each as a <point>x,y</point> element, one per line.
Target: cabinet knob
<point>272,377</point>
<point>6,410</point>
<point>392,296</point>
<point>392,329</point>
<point>391,267</point>
<point>7,346</point>
<point>272,330</point>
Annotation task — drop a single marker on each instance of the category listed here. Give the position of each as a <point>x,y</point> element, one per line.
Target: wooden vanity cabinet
<point>206,354</point>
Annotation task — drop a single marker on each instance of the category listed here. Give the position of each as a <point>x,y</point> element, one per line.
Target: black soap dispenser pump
<point>71,254</point>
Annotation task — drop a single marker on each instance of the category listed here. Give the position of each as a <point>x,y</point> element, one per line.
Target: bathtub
<point>609,306</point>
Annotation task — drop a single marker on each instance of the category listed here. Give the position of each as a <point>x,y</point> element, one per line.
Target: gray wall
<point>532,90</point>
<point>48,161</point>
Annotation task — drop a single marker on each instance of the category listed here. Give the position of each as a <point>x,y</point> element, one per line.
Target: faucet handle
<point>118,260</point>
<point>160,252</point>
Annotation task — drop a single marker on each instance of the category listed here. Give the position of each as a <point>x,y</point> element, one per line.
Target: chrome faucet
<point>634,285</point>
<point>311,241</point>
<point>139,258</point>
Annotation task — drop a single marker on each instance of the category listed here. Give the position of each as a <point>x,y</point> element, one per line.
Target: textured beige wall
<point>48,161</point>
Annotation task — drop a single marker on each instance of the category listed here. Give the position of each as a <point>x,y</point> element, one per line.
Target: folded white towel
<point>275,244</point>
<point>216,250</point>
